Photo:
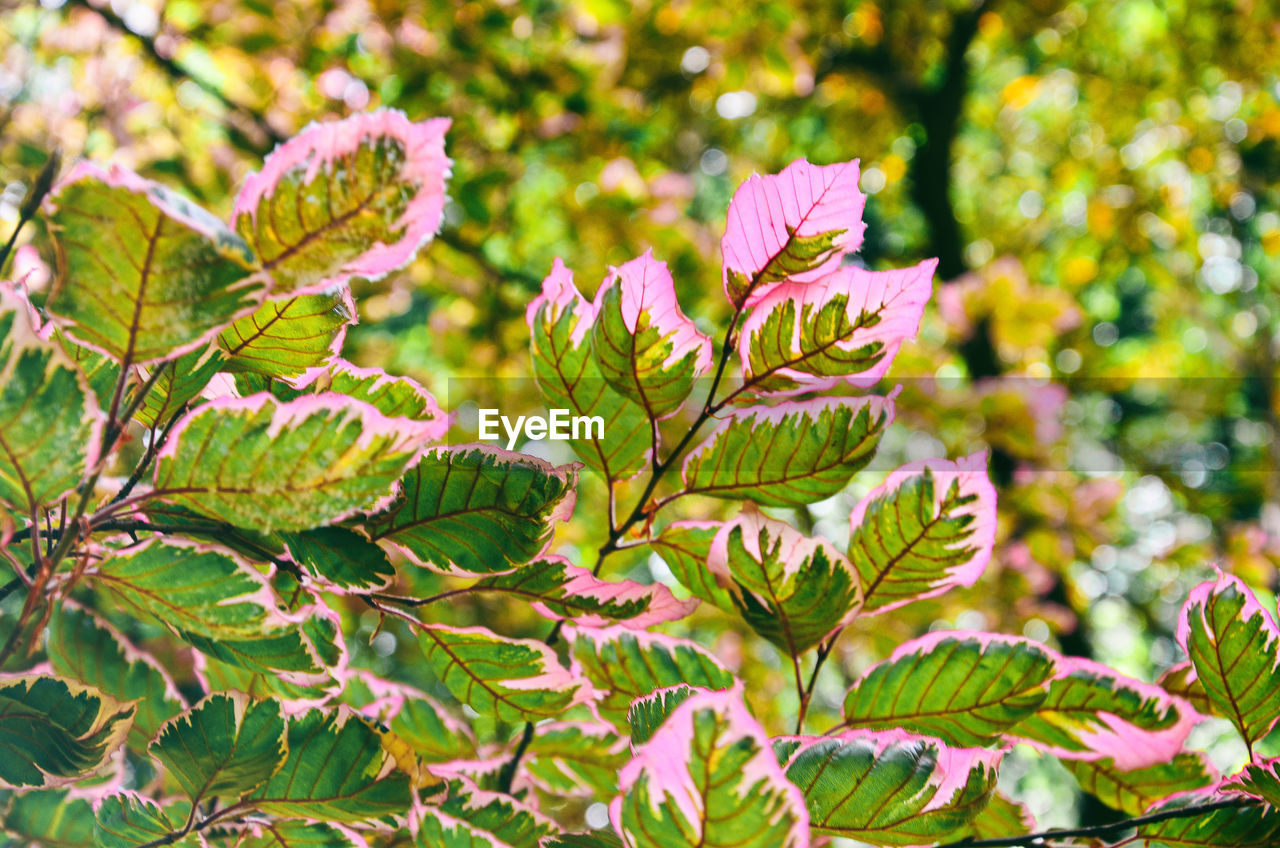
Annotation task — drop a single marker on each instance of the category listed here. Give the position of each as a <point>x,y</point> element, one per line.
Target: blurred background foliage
<point>1099,181</point>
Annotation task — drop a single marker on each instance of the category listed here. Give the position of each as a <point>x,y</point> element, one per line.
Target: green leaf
<point>559,590</point>
<point>352,198</point>
<point>493,813</point>
<point>479,510</point>
<point>1093,711</point>
<point>441,831</point>
<point>434,735</point>
<point>293,834</point>
<point>930,526</point>
<point>1180,680</point>
<point>142,273</point>
<point>337,771</point>
<point>394,397</point>
<point>1260,778</point>
<point>965,689</point>
<point>181,381</point>
<point>102,372</point>
<point>284,337</point>
<point>790,454</point>
<point>49,819</point>
<point>82,646</point>
<point>560,321</point>
<point>685,546</point>
<point>1133,792</point>
<point>889,788</point>
<point>1234,645</point>
<point>509,679</point>
<point>647,713</point>
<point>575,758</point>
<point>1241,827</point>
<point>792,590</point>
<point>627,664</point>
<point>49,421</point>
<point>708,779</point>
<point>1001,818</point>
<point>342,557</point>
<point>645,347</point>
<point>265,465</point>
<point>55,731</point>
<point>597,839</point>
<point>126,820</point>
<point>225,746</point>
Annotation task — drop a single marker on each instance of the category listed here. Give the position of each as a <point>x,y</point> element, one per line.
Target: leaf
<point>930,526</point>
<point>509,821</point>
<point>1133,792</point>
<point>54,731</point>
<point>126,820</point>
<point>844,328</point>
<point>265,465</point>
<point>352,198</point>
<point>181,381</point>
<point>559,590</point>
<point>560,323</point>
<point>1000,818</point>
<point>795,225</point>
<point>225,746</point>
<point>966,689</point>
<point>644,345</point>
<point>889,787</point>
<point>294,834</point>
<point>1093,712</point>
<point>102,372</point>
<point>647,713</point>
<point>477,509</point>
<point>82,646</point>
<point>509,679</point>
<point>708,778</point>
<point>1180,680</point>
<point>337,771</point>
<point>284,337</point>
<point>50,819</point>
<point>576,759</point>
<point>629,664</point>
<point>49,420</point>
<point>213,601</point>
<point>792,590</point>
<point>394,397</point>
<point>684,546</point>
<point>1239,827</point>
<point>432,733</point>
<point>1234,645</point>
<point>142,273</point>
<point>341,557</point>
<point>798,452</point>
<point>596,839</point>
<point>440,831</point>
<point>1260,778</point>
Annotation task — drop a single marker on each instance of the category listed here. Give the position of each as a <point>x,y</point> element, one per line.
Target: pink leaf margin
<point>897,296</point>
<point>319,145</point>
<point>663,606</point>
<point>664,760</point>
<point>559,296</point>
<point>810,199</point>
<point>1204,592</point>
<point>646,288</point>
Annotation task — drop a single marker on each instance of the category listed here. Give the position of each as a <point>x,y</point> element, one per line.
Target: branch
<point>1102,831</point>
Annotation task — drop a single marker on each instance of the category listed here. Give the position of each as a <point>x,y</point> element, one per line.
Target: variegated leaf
<point>126,820</point>
<point>225,746</point>
<point>340,557</point>
<point>685,546</point>
<point>1260,779</point>
<point>568,759</point>
<point>1134,791</point>
<point>284,337</point>
<point>647,713</point>
<point>508,820</point>
<point>353,198</point>
<point>181,381</point>
<point>50,817</point>
<point>394,397</point>
<point>1244,827</point>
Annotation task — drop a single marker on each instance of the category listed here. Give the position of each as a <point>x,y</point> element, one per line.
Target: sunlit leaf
<point>647,713</point>
<point>508,820</point>
<point>352,198</point>
<point>181,381</point>
<point>1133,792</point>
<point>685,546</point>
<point>576,759</point>
<point>341,557</point>
<point>394,397</point>
<point>294,834</point>
<point>54,731</point>
<point>126,820</point>
<point>1260,778</point>
<point>49,818</point>
<point>1246,827</point>
<point>434,734</point>
<point>282,338</point>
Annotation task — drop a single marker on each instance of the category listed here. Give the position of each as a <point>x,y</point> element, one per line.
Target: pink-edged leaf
<point>795,225</point>
<point>1259,778</point>
<point>509,679</point>
<point>477,509</point>
<point>1001,817</point>
<point>684,546</point>
<point>1238,827</point>
<point>930,526</point>
<point>647,713</point>
<point>1133,792</point>
<point>1181,681</point>
<point>284,337</point>
<point>792,589</point>
<point>142,273</point>
<point>568,759</point>
<point>393,396</point>
<point>266,465</point>
<point>644,345</point>
<point>560,323</point>
<point>888,787</point>
<point>1234,646</point>
<point>708,779</point>
<point>560,590</point>
<point>353,198</point>
<point>966,688</point>
<point>439,829</point>
<point>798,452</point>
<point>627,664</point>
<point>512,822</point>
<point>1094,712</point>
<point>843,328</point>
